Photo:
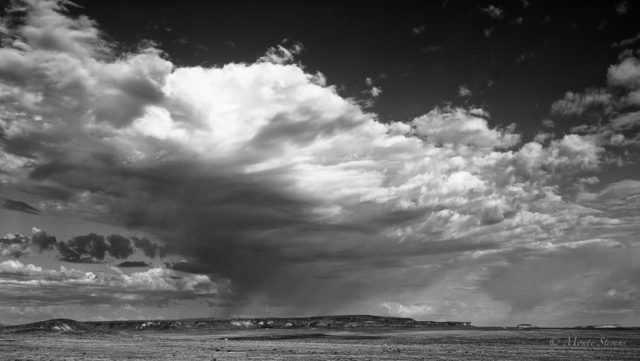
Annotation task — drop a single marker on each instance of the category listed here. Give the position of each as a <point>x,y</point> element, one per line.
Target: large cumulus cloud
<point>263,174</point>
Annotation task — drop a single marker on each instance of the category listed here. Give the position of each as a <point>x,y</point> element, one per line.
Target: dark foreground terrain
<point>68,340</point>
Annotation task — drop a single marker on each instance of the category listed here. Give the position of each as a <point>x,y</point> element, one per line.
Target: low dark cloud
<point>133,264</point>
<point>189,267</point>
<point>43,241</point>
<point>93,247</point>
<point>87,248</point>
<point>119,246</point>
<point>149,248</point>
<point>19,206</point>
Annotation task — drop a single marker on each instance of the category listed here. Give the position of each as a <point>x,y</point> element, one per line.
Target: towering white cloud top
<point>264,174</point>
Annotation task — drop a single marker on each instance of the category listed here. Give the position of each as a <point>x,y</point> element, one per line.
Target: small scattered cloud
<point>625,74</point>
<point>430,49</point>
<point>464,91</point>
<point>373,91</point>
<point>609,113</point>
<point>417,30</point>
<point>577,104</point>
<point>548,123</point>
<point>488,32</point>
<point>283,53</point>
<point>493,11</point>
<point>527,55</point>
<point>542,138</point>
<point>623,7</point>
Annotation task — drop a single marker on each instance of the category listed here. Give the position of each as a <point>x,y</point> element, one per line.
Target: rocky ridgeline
<point>328,322</point>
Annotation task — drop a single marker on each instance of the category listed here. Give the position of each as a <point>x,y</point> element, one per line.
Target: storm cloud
<point>87,248</point>
<point>262,174</point>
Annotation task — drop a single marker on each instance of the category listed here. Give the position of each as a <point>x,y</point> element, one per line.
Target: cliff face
<point>329,322</point>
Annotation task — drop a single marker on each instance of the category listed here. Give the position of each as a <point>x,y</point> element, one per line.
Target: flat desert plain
<point>322,344</point>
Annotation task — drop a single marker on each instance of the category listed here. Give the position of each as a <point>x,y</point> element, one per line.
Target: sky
<point>470,161</point>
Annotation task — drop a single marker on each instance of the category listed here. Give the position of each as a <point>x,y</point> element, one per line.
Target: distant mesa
<point>322,322</point>
<point>55,325</point>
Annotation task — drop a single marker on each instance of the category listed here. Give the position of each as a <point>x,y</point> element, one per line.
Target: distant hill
<point>321,322</point>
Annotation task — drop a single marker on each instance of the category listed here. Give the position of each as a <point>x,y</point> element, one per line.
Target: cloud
<point>149,248</point>
<point>16,245</point>
<point>627,42</point>
<point>262,174</point>
<point>93,247</point>
<point>525,56</point>
<point>413,310</point>
<point>119,246</point>
<point>548,123</point>
<point>597,100</point>
<point>87,249</point>
<point>42,240</point>
<point>464,91</point>
<point>623,7</point>
<point>417,30</point>
<point>105,286</point>
<point>623,189</point>
<point>17,206</point>
<point>282,54</point>
<point>608,113</point>
<point>456,126</point>
<point>132,264</point>
<point>625,74</point>
<point>83,248</point>
<point>373,91</point>
<point>493,11</point>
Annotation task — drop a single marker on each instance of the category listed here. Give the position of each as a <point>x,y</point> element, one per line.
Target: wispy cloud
<point>283,53</point>
<point>627,42</point>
